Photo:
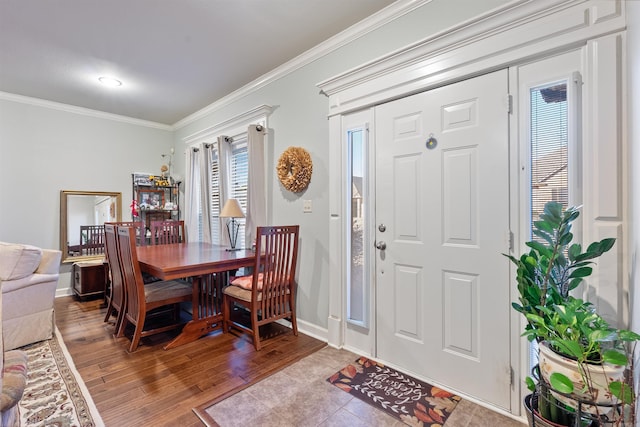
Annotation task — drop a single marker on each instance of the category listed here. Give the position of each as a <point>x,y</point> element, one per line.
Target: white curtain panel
<point>192,195</point>
<point>224,167</point>
<point>256,188</point>
<point>205,159</point>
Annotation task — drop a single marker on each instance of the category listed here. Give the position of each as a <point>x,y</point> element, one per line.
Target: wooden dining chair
<point>91,239</point>
<point>116,296</point>
<point>167,232</point>
<point>141,298</point>
<point>269,293</point>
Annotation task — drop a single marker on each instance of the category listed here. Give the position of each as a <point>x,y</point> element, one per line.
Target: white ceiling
<point>174,57</point>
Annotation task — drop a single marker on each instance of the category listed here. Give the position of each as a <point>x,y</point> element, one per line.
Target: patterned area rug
<point>55,394</point>
<point>412,401</point>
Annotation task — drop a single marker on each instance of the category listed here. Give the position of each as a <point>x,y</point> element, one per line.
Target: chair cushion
<point>14,378</point>
<point>165,289</point>
<point>240,293</point>
<point>18,261</point>
<point>246,282</point>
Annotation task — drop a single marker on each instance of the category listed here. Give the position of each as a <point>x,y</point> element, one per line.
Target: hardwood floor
<point>156,387</point>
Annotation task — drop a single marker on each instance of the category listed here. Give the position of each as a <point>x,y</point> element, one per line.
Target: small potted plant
<point>584,363</point>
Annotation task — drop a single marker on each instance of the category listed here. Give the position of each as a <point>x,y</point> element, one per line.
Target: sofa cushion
<point>14,378</point>
<point>18,261</point>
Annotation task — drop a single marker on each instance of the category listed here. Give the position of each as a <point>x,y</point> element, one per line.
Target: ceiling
<point>173,57</point>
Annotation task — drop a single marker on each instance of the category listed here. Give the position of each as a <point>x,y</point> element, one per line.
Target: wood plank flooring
<point>156,387</point>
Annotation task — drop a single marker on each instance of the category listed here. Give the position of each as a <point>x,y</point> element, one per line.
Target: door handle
<point>381,245</point>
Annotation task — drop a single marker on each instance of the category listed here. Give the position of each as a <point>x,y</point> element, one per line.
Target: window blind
<point>215,197</point>
<point>239,180</point>
<point>549,147</point>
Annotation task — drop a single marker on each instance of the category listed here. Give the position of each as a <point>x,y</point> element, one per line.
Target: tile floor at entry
<point>299,395</point>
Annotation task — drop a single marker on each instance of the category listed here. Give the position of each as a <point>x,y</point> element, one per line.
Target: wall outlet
<point>306,206</point>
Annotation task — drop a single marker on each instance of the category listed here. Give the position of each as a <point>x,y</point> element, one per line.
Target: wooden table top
<point>191,259</point>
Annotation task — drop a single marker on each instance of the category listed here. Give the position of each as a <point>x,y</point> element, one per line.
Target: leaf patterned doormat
<point>414,402</point>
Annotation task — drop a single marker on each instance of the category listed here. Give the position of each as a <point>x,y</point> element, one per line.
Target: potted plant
<point>581,357</point>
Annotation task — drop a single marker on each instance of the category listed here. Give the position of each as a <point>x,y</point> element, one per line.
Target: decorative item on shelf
<point>151,199</point>
<point>294,169</point>
<point>582,358</point>
<point>134,208</point>
<point>232,210</point>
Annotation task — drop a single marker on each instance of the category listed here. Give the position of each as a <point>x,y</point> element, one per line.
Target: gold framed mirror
<point>80,212</point>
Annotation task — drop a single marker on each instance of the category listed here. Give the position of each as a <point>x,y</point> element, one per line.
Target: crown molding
<point>229,127</point>
<point>81,111</point>
<point>517,31</point>
<point>378,19</point>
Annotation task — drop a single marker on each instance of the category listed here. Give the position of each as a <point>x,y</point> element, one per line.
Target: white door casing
<point>442,191</point>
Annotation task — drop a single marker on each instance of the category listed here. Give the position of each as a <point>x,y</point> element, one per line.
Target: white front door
<point>442,193</point>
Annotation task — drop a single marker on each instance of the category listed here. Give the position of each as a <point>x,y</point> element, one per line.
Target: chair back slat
<point>91,239</point>
<point>167,232</point>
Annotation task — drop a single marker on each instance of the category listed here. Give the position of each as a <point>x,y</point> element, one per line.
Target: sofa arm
<point>50,262</point>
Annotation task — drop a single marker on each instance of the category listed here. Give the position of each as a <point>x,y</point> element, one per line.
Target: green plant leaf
<point>581,272</point>
<point>574,251</point>
<point>615,357</point>
<point>601,334</point>
<point>542,249</point>
<point>574,283</point>
<point>561,383</point>
<point>606,244</point>
<point>531,385</point>
<point>569,347</point>
<point>626,335</point>
<point>565,239</point>
<point>622,391</point>
<point>534,318</point>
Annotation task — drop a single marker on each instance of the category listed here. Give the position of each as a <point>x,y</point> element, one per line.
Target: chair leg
<point>137,334</point>
<point>123,324</point>
<point>294,322</point>
<point>255,330</point>
<point>110,310</point>
<point>119,321</point>
<point>226,312</point>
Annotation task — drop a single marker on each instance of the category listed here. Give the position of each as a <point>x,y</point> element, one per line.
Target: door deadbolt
<point>382,228</point>
<point>381,245</point>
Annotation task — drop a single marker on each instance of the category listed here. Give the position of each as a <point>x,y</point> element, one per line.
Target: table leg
<point>206,307</point>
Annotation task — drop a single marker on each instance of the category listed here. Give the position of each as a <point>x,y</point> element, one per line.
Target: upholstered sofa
<point>28,278</point>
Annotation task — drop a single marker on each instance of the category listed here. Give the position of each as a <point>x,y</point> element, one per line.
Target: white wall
<point>300,119</point>
<point>45,150</point>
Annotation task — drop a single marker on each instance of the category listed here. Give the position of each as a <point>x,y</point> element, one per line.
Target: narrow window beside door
<point>549,147</point>
<point>357,290</point>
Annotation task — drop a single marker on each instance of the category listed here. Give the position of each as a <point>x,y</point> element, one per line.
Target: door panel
<point>442,284</point>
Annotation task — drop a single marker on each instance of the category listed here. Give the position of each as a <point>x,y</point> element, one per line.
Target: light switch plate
<point>306,206</point>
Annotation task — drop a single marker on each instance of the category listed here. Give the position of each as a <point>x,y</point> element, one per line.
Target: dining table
<point>206,265</point>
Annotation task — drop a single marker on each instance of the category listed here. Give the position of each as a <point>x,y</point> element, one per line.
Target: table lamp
<point>232,210</point>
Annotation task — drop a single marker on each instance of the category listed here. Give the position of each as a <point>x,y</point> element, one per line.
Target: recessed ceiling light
<point>110,81</point>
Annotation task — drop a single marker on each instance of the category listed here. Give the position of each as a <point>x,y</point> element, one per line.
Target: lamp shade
<point>232,209</point>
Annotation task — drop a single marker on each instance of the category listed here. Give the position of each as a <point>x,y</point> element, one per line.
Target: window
<point>238,182</point>
<point>549,147</point>
<point>239,179</point>
<point>245,130</point>
<point>357,248</point>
